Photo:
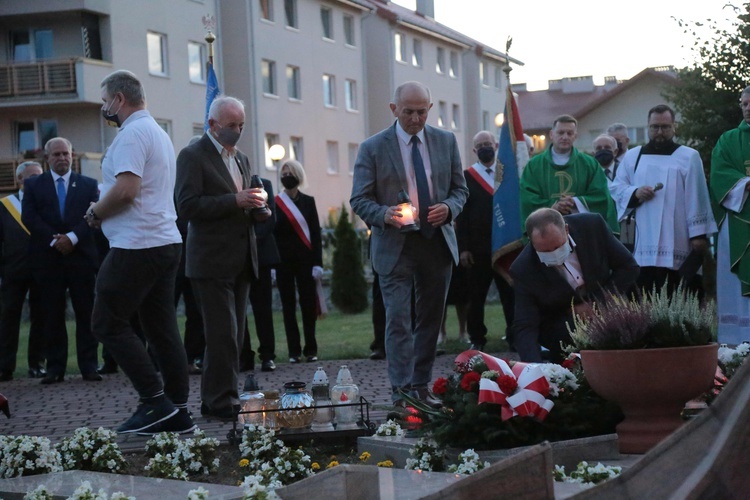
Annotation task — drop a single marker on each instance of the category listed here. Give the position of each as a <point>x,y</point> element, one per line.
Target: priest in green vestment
<point>565,179</point>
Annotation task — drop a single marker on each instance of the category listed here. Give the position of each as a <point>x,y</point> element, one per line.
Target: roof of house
<point>539,108</point>
<point>416,20</point>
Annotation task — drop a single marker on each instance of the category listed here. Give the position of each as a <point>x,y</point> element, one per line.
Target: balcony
<point>8,181</point>
<point>51,81</point>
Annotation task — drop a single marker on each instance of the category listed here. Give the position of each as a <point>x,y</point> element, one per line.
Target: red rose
<point>440,386</point>
<point>470,381</point>
<point>568,363</point>
<point>507,384</point>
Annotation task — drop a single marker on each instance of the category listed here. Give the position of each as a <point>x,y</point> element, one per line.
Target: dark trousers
<point>378,315</point>
<point>480,277</point>
<point>288,277</point>
<point>651,277</point>
<point>222,302</point>
<point>195,343</point>
<point>142,281</point>
<point>261,300</point>
<point>52,285</point>
<point>12,295</point>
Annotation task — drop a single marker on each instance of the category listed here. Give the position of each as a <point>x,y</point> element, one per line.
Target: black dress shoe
<point>6,376</point>
<point>107,368</point>
<point>268,366</point>
<point>194,369</point>
<point>227,414</point>
<point>427,397</point>
<point>52,379</point>
<point>477,346</point>
<point>91,377</point>
<point>37,372</point>
<point>377,354</point>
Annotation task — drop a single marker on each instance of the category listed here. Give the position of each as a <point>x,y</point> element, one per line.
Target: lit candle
<point>407,214</point>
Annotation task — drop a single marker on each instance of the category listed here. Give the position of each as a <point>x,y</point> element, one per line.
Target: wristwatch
<point>92,214</point>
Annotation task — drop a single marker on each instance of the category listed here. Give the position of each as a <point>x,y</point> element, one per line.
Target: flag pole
<point>209,24</point>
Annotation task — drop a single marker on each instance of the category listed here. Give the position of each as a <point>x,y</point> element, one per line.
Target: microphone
<point>658,186</point>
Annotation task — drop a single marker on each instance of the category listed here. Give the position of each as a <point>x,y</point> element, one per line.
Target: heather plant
<point>654,319</point>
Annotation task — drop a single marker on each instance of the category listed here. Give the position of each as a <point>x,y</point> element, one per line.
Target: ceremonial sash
<point>13,206</point>
<point>298,222</point>
<point>483,178</point>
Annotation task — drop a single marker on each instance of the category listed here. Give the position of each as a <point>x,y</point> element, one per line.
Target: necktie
<point>61,195</point>
<point>423,190</point>
<point>608,173</point>
<point>489,171</point>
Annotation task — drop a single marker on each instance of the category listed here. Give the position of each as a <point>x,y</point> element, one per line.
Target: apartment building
<point>316,76</point>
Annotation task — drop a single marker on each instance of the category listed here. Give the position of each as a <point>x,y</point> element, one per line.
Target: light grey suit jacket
<point>379,175</point>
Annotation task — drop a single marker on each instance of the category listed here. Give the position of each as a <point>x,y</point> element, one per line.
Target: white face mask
<point>556,257</point>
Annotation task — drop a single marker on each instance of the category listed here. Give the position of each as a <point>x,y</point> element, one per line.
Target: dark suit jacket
<point>221,236</point>
<point>474,223</point>
<point>543,295</point>
<point>378,177</point>
<point>268,253</point>
<point>41,215</point>
<point>15,247</point>
<point>291,247</point>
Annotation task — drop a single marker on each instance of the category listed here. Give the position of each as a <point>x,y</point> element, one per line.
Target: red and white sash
<point>285,203</point>
<point>479,173</point>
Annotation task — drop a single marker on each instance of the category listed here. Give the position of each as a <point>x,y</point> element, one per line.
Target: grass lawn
<point>340,336</point>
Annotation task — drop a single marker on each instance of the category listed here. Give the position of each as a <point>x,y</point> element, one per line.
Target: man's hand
<point>438,214</point>
<point>91,219</point>
<point>565,205</point>
<point>250,198</point>
<point>644,193</point>
<point>62,243</point>
<point>467,259</point>
<point>394,217</point>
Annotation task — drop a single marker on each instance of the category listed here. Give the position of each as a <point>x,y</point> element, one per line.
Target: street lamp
<point>276,153</point>
<point>499,119</point>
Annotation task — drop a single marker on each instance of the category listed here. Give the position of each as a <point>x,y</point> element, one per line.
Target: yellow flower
<point>315,466</point>
<point>385,463</point>
<point>333,463</point>
<point>365,456</point>
<point>244,462</point>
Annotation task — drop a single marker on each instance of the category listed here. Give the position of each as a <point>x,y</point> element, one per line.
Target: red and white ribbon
<point>529,399</point>
<point>296,219</point>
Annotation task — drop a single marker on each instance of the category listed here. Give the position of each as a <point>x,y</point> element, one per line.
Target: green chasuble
<point>543,183</point>
<point>730,163</point>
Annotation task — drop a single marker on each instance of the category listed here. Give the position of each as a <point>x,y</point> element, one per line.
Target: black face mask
<point>486,154</point>
<point>289,181</point>
<point>111,119</point>
<point>604,157</point>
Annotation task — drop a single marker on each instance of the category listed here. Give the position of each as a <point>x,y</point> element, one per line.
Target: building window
<point>353,150</point>
<point>271,140</point>
<point>498,77</point>
<point>266,10</point>
<point>332,147</point>
<point>349,30</point>
<point>33,135</point>
<point>290,10</point>
<point>32,45</point>
<point>157,53</point>
<point>440,66</point>
<point>268,72</point>
<point>293,82</point>
<point>484,73</point>
<point>197,129</point>
<point>295,149</point>
<point>456,117</point>
<point>485,120</point>
<point>351,95</point>
<point>326,17</point>
<point>166,126</point>
<point>399,41</point>
<point>197,62</point>
<point>329,90</point>
<point>442,114</point>
<point>416,57</point>
<point>454,64</point>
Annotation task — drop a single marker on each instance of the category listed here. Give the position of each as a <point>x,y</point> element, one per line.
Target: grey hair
<point>127,84</point>
<point>745,91</point>
<point>399,90</point>
<point>618,127</point>
<point>541,219</point>
<point>56,139</point>
<point>20,169</point>
<point>220,102</point>
<point>607,136</point>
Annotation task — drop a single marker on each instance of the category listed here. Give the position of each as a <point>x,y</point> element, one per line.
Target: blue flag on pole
<point>512,157</point>
<point>212,90</point>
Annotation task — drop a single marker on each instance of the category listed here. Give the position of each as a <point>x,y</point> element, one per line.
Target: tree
<point>348,285</point>
<point>709,90</point>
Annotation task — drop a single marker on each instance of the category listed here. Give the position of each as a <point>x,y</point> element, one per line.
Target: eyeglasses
<point>656,128</point>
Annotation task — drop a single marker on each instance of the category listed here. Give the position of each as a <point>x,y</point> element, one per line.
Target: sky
<point>556,39</point>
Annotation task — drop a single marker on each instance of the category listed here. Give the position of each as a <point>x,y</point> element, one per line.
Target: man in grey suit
<point>423,161</point>
<point>213,192</point>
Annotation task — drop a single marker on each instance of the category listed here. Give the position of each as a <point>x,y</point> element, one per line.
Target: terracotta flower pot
<point>651,386</point>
